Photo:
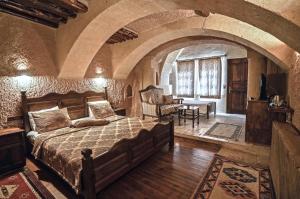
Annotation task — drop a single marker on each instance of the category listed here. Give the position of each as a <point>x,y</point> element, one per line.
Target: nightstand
<point>12,149</point>
<point>120,111</point>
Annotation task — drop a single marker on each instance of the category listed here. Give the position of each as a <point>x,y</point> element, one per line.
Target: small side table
<point>120,111</point>
<point>182,113</point>
<point>12,149</point>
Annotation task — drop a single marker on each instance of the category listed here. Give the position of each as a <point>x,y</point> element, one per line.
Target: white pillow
<point>31,120</point>
<point>80,119</point>
<point>91,114</point>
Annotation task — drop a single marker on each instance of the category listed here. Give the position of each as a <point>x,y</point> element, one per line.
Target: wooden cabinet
<point>12,149</point>
<point>258,124</point>
<point>259,120</point>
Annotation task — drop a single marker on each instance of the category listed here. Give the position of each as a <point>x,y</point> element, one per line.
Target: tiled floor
<point>186,130</point>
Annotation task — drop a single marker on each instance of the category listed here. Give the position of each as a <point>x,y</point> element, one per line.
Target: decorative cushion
<point>31,120</point>
<point>89,122</point>
<point>101,109</point>
<point>170,108</point>
<point>51,120</point>
<point>146,96</point>
<point>156,97</point>
<point>168,99</point>
<point>79,119</point>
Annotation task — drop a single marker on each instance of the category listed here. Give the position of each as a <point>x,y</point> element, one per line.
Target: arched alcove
<point>129,91</point>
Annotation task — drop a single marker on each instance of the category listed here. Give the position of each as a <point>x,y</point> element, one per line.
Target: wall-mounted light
<point>98,70</point>
<point>100,82</point>
<point>23,81</point>
<point>21,63</point>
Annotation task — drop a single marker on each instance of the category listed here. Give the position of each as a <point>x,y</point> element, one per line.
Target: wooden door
<point>237,85</point>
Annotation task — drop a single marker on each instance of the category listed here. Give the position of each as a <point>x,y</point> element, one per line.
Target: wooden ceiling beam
<point>49,8</point>
<point>47,12</point>
<point>15,9</point>
<point>122,35</point>
<point>202,13</point>
<point>70,5</point>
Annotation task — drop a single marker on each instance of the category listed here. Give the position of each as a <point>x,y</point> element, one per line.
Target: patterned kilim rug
<point>224,131</point>
<point>227,179</point>
<point>23,185</point>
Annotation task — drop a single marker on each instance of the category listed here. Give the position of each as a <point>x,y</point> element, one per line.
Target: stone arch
<point>174,50</point>
<point>268,45</point>
<point>96,29</point>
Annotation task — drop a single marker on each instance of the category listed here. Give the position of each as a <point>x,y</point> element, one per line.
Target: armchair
<point>155,104</point>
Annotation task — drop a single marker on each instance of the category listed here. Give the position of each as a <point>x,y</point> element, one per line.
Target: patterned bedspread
<point>61,149</point>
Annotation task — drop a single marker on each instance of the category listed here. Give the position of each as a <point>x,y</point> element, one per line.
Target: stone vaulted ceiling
<point>158,19</point>
<point>270,27</point>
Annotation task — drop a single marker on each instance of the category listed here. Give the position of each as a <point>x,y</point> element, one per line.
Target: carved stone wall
<point>10,96</point>
<point>26,46</point>
<point>30,48</point>
<point>294,89</point>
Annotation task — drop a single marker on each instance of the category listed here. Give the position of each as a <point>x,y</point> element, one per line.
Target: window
<point>200,77</point>
<point>209,78</point>
<point>185,80</point>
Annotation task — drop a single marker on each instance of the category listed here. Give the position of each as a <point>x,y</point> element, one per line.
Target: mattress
<point>61,149</point>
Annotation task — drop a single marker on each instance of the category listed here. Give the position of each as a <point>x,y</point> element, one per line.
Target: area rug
<point>23,185</point>
<point>228,179</point>
<point>224,131</point>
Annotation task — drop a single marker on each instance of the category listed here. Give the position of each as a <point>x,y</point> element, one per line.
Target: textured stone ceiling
<point>289,9</point>
<point>152,21</point>
<point>211,50</point>
<point>88,33</point>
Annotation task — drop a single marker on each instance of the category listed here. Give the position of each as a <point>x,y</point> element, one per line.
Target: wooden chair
<point>156,104</point>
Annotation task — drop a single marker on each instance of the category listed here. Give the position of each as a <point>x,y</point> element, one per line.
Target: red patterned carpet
<point>22,185</point>
<point>228,179</point>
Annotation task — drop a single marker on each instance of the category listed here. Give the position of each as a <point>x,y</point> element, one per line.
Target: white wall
<point>200,51</point>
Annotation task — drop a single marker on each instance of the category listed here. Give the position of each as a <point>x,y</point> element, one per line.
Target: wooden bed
<point>100,171</point>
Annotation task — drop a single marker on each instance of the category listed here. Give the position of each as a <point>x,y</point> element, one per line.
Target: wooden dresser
<point>12,149</point>
<point>259,120</point>
<point>285,160</point>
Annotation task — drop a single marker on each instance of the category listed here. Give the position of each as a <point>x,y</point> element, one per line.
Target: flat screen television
<point>277,84</point>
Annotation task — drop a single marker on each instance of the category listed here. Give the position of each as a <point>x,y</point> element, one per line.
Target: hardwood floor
<point>167,174</point>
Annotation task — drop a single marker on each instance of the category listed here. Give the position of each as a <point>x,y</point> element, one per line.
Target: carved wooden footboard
<point>101,171</point>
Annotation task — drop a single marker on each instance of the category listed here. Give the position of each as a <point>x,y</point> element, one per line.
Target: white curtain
<point>208,83</point>
<point>185,78</point>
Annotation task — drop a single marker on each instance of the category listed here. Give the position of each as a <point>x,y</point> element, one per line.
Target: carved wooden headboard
<point>76,103</point>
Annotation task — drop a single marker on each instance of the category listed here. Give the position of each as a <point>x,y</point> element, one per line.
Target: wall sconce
<point>23,81</point>
<point>21,63</point>
<point>100,82</point>
<point>98,70</point>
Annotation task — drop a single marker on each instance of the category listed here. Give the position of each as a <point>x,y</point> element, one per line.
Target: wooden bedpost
<point>88,175</point>
<point>106,94</point>
<point>171,142</point>
<point>25,111</point>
